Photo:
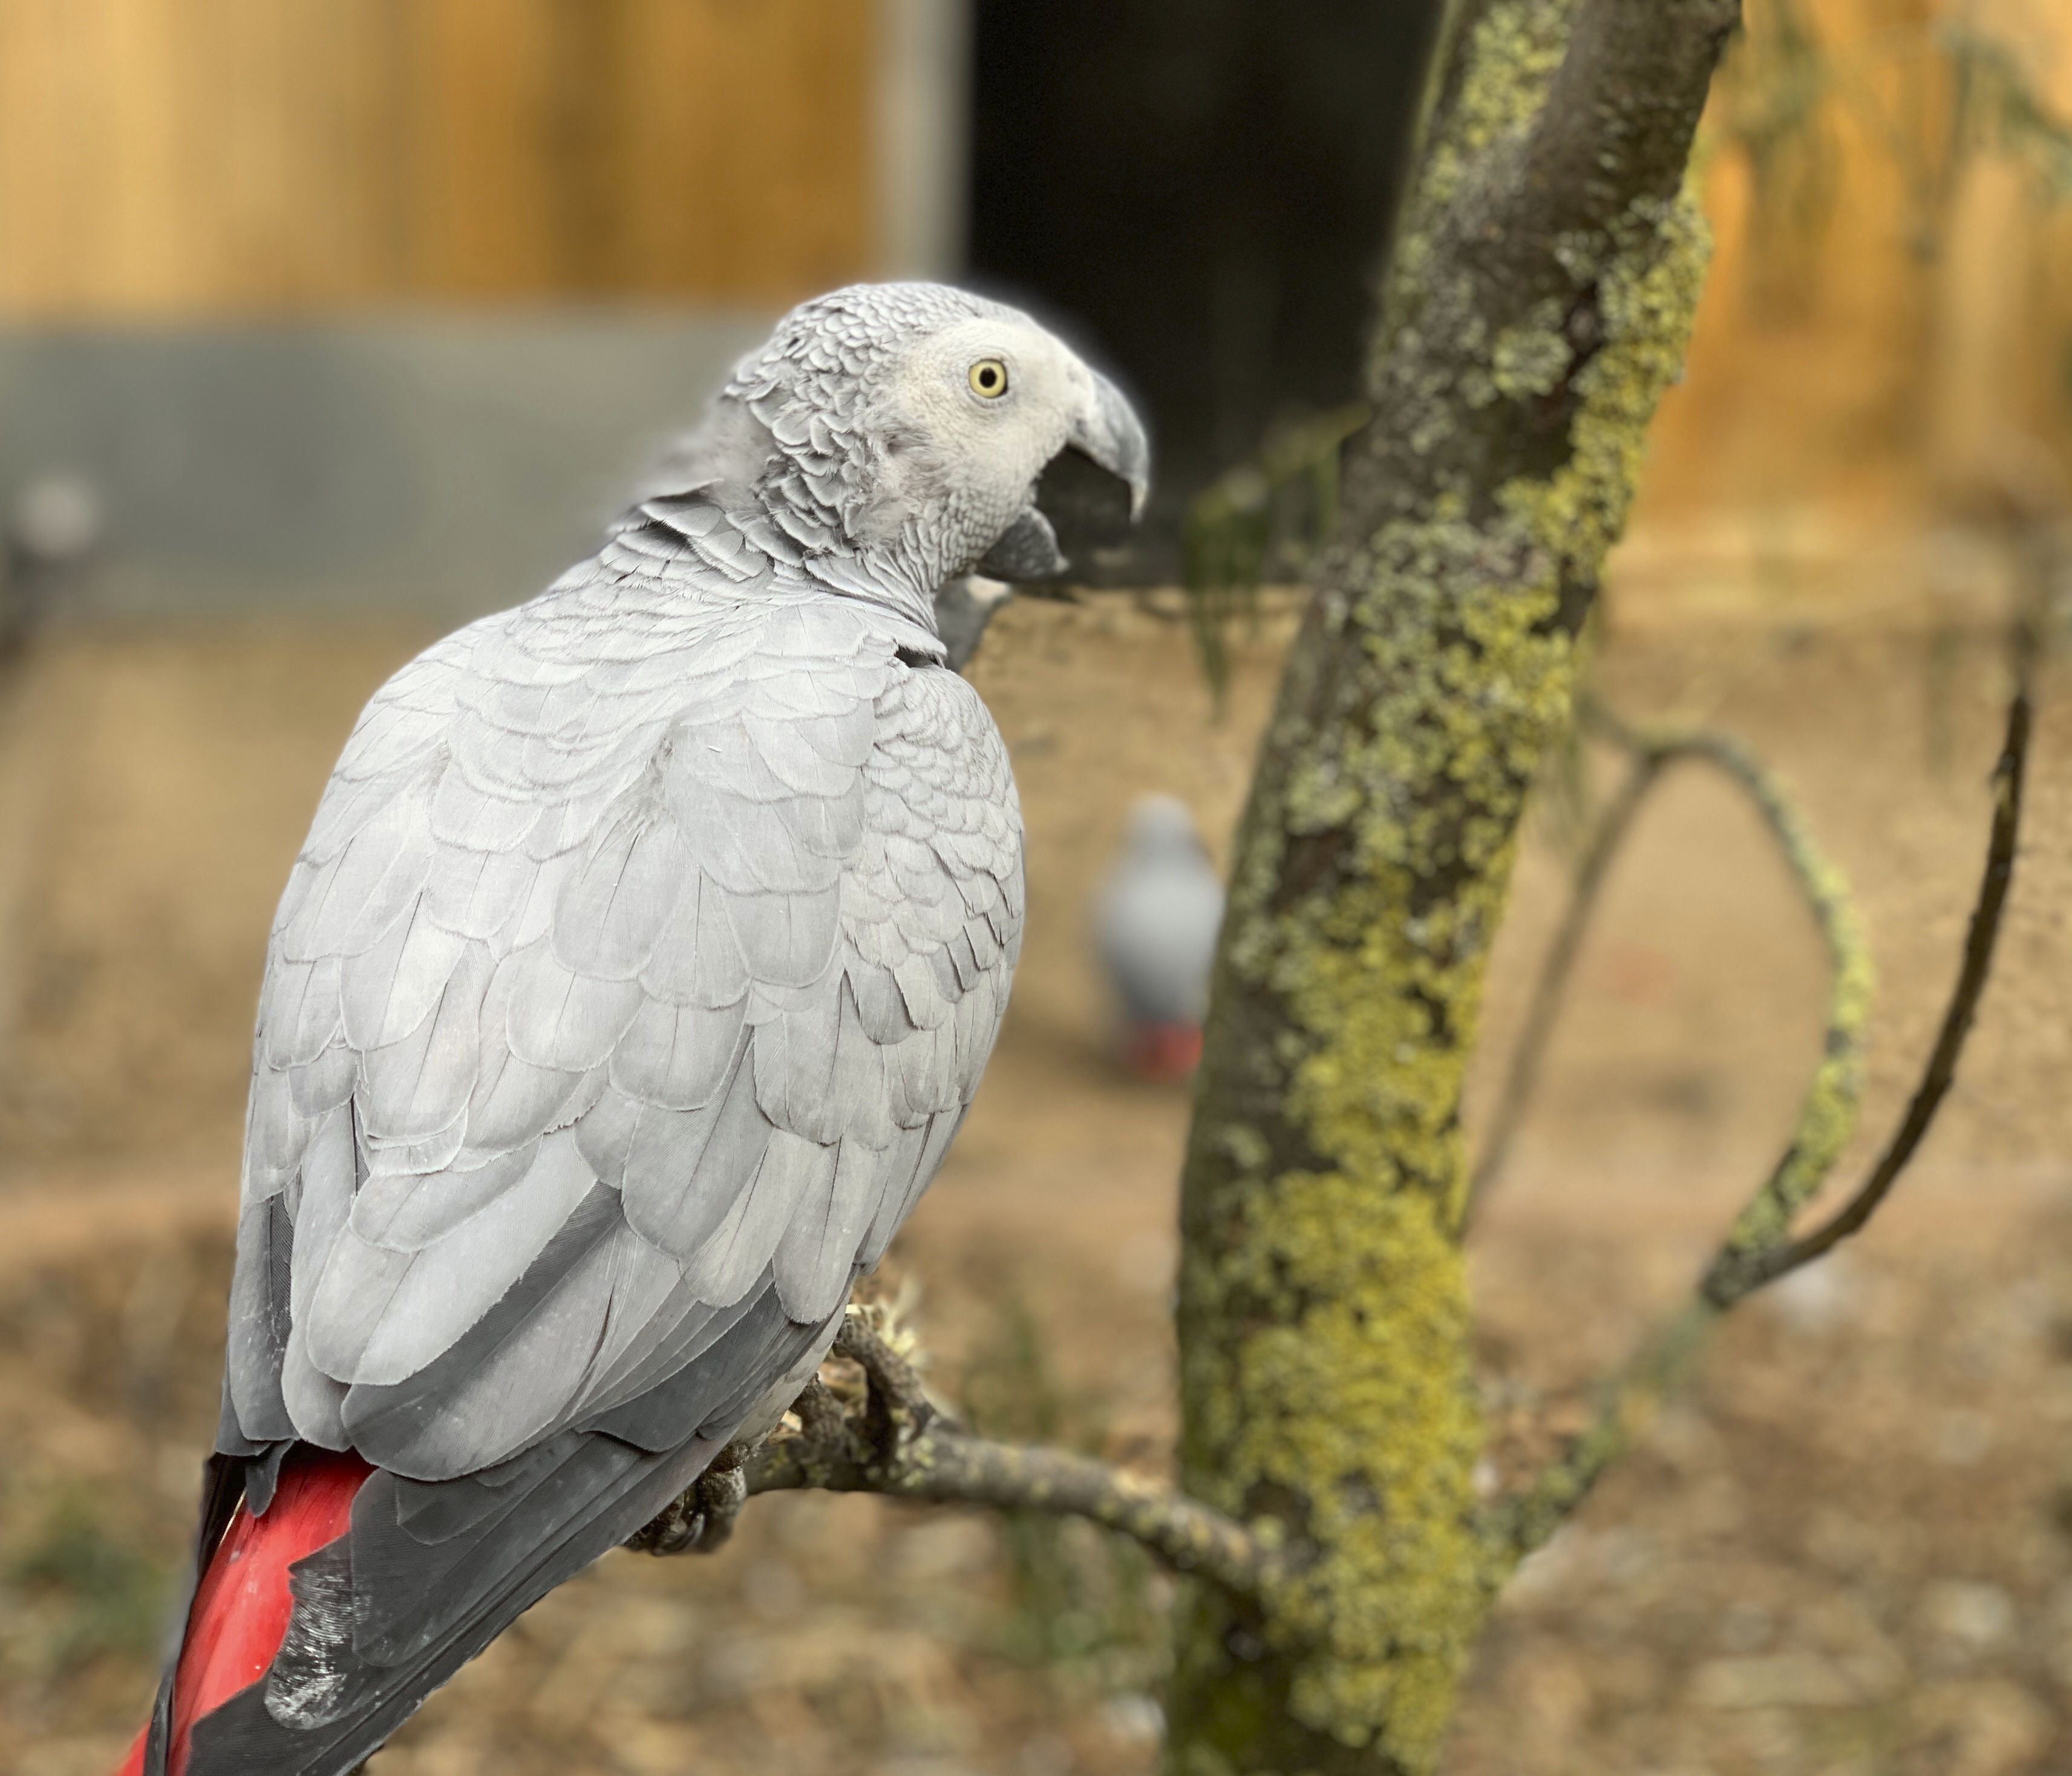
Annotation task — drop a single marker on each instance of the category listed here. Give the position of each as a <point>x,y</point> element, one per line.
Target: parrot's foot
<point>702,1518</point>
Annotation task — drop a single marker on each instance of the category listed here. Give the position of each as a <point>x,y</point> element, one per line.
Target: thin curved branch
<point>895,1442</point>
<point>1826,1119</point>
<point>1734,1275</point>
<point>1828,1115</point>
<point>1760,1248</point>
<point>1515,1526</point>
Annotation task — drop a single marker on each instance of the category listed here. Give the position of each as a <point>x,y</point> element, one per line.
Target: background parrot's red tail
<point>1162,1051</point>
<point>241,1605</point>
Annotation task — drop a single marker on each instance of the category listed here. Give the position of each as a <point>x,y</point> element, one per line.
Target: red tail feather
<point>240,1608</point>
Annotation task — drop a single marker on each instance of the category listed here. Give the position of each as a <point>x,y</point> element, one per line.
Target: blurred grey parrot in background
<point>1155,922</point>
<point>639,966</point>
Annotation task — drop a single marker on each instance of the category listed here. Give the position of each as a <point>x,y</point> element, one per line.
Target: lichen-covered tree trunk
<point>1538,298</point>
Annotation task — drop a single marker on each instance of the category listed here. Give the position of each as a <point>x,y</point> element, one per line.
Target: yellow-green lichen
<point>1359,1397</point>
<point>1517,47</point>
<point>1325,1347</point>
<point>1532,359</point>
<point>1354,1393</point>
<point>1647,294</point>
<point>1383,1346</point>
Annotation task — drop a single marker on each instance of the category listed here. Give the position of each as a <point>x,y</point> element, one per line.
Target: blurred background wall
<point>182,159</point>
<point>1884,353</point>
<point>1204,187</point>
<point>384,300</point>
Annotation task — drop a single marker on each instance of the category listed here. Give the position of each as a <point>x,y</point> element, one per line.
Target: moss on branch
<point>1526,337</point>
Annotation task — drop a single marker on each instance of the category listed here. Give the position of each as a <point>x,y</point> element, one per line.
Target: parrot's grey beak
<point>1109,431</point>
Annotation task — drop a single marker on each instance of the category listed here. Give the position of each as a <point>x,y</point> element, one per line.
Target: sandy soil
<point>1846,1550</point>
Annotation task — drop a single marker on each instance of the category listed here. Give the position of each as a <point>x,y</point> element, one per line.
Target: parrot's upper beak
<point>1108,431</point>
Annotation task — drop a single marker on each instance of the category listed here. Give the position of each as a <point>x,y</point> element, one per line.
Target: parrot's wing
<point>639,968</point>
<point>608,999</point>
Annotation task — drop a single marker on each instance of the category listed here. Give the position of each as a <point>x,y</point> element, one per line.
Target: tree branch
<point>895,1441</point>
<point>1829,1113</point>
<point>1738,1271</point>
<point>1760,1248</point>
<point>1515,1526</point>
<point>1524,338</point>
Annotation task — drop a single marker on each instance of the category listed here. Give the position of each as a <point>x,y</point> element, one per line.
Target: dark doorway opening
<point>1202,189</point>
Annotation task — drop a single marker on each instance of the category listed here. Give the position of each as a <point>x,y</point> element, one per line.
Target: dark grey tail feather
<point>423,1550</point>
<point>307,1685</point>
<point>408,1592</point>
<point>243,1738</point>
<point>431,1570</point>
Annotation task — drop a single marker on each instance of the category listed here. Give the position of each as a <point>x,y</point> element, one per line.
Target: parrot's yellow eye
<point>989,378</point>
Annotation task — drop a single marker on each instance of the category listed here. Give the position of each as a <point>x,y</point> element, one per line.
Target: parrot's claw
<point>701,1519</point>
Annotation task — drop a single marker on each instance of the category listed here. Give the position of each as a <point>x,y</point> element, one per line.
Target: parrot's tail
<point>320,1624</point>
<point>242,1603</point>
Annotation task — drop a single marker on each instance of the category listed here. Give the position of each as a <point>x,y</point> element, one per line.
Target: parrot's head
<point>1161,826</point>
<point>902,428</point>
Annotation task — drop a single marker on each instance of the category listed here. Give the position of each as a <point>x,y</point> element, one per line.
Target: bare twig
<point>897,1443</point>
<point>1517,1525</point>
<point>1739,1270</point>
<point>1760,1248</point>
<point>1828,1115</point>
<point>1236,527</point>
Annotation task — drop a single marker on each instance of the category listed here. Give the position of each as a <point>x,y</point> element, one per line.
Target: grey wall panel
<point>449,464</point>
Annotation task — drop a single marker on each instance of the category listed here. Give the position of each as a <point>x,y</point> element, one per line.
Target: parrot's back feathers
<point>729,1013</point>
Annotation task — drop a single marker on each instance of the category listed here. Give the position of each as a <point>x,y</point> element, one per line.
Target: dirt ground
<point>1848,1550</point>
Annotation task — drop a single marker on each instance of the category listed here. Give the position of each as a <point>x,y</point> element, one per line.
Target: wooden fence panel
<point>195,157</point>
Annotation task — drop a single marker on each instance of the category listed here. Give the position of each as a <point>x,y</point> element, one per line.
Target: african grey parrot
<point>639,967</point>
<point>1155,918</point>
